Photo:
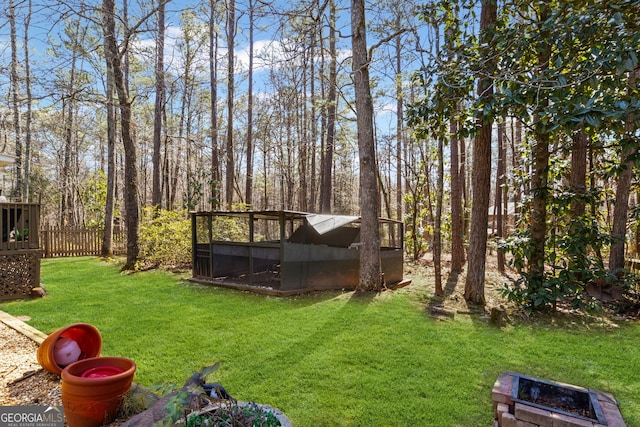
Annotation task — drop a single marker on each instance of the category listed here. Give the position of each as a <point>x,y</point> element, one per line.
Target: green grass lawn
<point>329,359</point>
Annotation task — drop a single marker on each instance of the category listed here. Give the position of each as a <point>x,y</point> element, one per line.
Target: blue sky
<point>46,26</point>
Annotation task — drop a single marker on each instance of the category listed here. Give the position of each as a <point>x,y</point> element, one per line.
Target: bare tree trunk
<point>457,216</point>
<point>303,128</point>
<point>540,176</point>
<point>332,100</point>
<point>15,103</point>
<point>464,191</point>
<point>370,271</point>
<point>65,197</point>
<point>125,59</point>
<point>231,33</point>
<point>385,196</point>
<point>500,192</point>
<point>457,220</point>
<point>289,168</point>
<point>156,191</point>
<point>27,136</point>
<point>107,242</point>
<point>249,181</point>
<point>399,129</point>
<point>516,145</point>
<point>619,231</point>
<point>578,184</point>
<point>69,179</point>
<point>216,179</point>
<point>187,116</point>
<point>437,226</point>
<point>130,165</point>
<point>184,127</point>
<point>481,175</point>
<point>314,124</point>
<point>178,162</point>
<point>539,205</point>
<point>167,181</point>
<point>323,117</point>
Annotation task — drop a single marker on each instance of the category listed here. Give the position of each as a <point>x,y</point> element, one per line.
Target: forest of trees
<point>509,121</point>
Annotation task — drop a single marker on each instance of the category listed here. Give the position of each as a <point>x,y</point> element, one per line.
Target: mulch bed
<point>22,380</point>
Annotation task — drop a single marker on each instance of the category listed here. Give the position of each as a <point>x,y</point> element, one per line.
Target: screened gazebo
<point>287,252</point>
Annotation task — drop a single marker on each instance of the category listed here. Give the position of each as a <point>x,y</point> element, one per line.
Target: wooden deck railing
<point>19,249</point>
<point>23,244</point>
<point>20,223</point>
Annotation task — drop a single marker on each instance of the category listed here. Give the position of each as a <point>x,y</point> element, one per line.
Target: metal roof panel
<point>325,223</point>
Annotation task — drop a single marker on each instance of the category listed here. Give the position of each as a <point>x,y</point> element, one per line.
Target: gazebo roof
<point>321,223</point>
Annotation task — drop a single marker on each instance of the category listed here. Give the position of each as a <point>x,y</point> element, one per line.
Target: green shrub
<point>165,238</point>
<point>572,258</point>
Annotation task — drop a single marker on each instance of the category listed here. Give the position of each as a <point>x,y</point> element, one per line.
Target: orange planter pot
<point>86,336</point>
<point>93,389</point>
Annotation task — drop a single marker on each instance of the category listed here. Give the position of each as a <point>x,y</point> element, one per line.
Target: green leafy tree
<point>565,71</point>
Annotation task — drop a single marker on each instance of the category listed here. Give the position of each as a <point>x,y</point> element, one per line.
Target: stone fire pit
<point>523,401</point>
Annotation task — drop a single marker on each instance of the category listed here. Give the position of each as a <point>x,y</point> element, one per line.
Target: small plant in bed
<point>199,404</point>
<point>232,414</point>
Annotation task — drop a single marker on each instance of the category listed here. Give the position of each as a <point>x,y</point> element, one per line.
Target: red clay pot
<point>87,337</point>
<point>92,400</point>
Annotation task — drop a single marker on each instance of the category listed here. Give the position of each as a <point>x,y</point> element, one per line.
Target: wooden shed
<point>287,252</point>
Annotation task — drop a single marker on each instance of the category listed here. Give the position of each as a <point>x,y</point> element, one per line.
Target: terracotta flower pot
<point>86,336</point>
<point>93,389</point>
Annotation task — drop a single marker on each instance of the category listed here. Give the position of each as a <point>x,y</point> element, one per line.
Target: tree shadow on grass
<point>437,304</point>
<point>311,340</point>
<point>362,297</point>
<point>452,283</point>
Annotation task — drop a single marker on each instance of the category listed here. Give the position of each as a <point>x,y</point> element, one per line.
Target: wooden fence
<point>68,242</point>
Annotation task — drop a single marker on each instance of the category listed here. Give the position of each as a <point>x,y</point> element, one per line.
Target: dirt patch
<point>422,275</point>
